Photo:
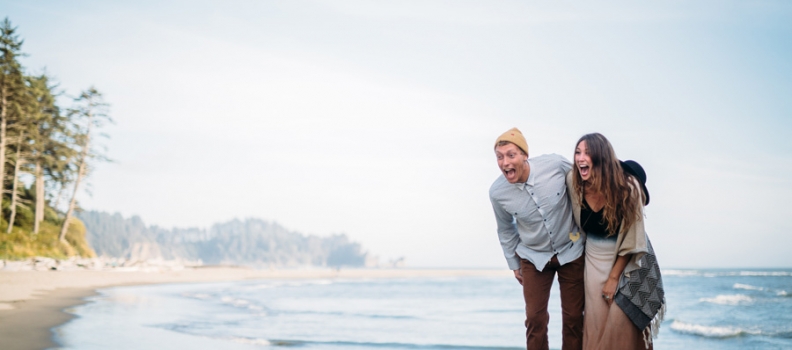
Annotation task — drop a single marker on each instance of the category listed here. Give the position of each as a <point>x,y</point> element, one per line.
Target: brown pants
<point>536,290</point>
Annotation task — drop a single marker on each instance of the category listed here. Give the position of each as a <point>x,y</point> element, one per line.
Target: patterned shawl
<point>641,296</point>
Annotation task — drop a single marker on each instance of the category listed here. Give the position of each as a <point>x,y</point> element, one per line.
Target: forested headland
<point>251,242</point>
<point>47,149</point>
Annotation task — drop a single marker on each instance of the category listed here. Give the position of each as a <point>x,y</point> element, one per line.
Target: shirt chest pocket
<point>553,197</point>
<point>526,211</point>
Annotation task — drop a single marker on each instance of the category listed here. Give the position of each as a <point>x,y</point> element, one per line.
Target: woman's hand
<point>609,289</point>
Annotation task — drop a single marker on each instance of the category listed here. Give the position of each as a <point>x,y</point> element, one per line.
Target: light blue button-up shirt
<point>535,218</point>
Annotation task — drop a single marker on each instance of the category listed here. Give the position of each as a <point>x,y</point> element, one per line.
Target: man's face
<point>512,162</point>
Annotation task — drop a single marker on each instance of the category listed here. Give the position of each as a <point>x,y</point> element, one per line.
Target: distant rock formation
<point>237,242</point>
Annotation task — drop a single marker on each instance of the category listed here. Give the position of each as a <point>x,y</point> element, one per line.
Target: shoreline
<point>30,324</point>
<point>33,303</point>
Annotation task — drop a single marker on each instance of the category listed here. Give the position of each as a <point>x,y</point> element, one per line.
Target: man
<point>539,237</point>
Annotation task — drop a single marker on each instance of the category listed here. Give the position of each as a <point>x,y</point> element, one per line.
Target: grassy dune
<point>21,243</point>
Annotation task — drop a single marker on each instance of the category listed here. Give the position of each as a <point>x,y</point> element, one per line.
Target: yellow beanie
<point>514,136</point>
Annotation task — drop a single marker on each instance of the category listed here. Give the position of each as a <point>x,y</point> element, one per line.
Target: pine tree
<point>19,160</point>
<point>89,113</point>
<point>50,152</point>
<point>12,86</point>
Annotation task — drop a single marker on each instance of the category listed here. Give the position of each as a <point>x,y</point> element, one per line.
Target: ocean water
<point>707,309</point>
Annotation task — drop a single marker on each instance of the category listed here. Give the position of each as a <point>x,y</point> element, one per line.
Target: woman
<point>608,206</point>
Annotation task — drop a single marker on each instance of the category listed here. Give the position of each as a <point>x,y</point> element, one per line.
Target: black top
<point>593,223</point>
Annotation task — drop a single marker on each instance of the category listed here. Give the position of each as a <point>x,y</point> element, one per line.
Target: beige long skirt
<point>605,327</point>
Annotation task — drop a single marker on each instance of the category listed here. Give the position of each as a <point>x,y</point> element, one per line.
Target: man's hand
<point>518,276</point>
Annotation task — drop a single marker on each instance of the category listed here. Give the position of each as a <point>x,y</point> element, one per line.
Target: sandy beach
<point>33,302</point>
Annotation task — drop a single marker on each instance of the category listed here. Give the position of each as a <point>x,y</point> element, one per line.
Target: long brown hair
<point>622,199</point>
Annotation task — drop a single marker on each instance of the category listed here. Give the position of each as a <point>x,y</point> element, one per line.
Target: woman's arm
<point>609,290</point>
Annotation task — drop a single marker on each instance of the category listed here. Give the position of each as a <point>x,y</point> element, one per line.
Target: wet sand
<point>33,302</point>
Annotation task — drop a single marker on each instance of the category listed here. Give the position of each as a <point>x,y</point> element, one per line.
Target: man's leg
<point>570,281</point>
<point>536,290</point>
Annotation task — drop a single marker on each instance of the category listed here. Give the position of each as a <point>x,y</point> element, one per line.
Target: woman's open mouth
<point>584,170</point>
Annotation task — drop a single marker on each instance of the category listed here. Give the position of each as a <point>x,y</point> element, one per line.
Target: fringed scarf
<point>641,296</point>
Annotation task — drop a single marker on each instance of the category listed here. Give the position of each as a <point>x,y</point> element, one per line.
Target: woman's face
<point>583,161</point>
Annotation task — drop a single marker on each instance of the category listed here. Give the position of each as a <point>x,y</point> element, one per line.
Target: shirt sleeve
<point>507,234</point>
<point>565,164</point>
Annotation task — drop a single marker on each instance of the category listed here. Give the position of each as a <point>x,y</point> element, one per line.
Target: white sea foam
<point>235,302</point>
<point>733,299</point>
<point>780,293</point>
<point>746,287</point>
<point>321,282</point>
<point>680,272</point>
<point>279,284</point>
<point>202,296</point>
<point>258,286</point>
<point>765,273</point>
<point>691,273</point>
<point>709,331</point>
<point>250,341</point>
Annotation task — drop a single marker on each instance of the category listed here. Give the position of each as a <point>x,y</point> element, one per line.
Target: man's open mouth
<point>508,172</point>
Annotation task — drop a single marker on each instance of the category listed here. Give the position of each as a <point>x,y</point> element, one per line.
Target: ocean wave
<point>351,344</point>
<point>710,273</point>
<point>342,344</point>
<point>260,286</point>
<point>200,296</point>
<point>733,299</point>
<point>680,272</point>
<point>727,331</point>
<point>746,287</point>
<point>235,302</point>
<point>251,341</point>
<point>318,282</point>
<point>345,314</point>
<point>765,273</point>
<point>711,331</point>
<point>389,345</point>
<point>777,292</point>
<point>498,311</point>
<point>278,284</point>
<point>227,300</point>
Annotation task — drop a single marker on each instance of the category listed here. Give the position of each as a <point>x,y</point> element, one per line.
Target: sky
<point>377,119</point>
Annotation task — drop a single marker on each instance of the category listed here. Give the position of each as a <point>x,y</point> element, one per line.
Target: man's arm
<point>565,164</point>
<point>509,238</point>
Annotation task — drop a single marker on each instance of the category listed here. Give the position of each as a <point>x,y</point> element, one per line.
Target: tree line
<point>39,138</point>
<point>252,242</point>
